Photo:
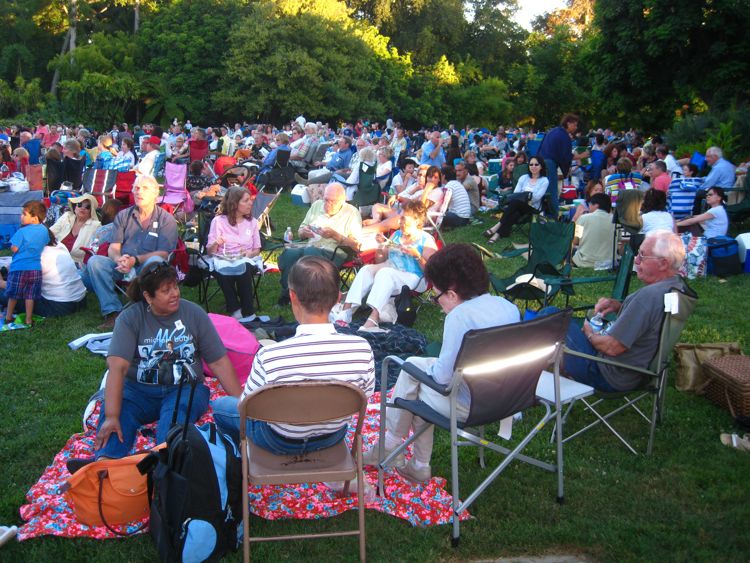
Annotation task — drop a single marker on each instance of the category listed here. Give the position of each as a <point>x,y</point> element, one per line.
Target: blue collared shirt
<point>160,235</point>
<point>340,159</point>
<point>721,175</point>
<point>427,148</point>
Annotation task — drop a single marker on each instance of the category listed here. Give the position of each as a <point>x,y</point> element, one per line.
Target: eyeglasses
<point>82,205</point>
<point>436,298</point>
<point>642,256</point>
<point>534,164</point>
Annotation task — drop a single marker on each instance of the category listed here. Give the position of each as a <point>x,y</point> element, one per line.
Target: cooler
<point>300,195</point>
<point>492,181</point>
<point>11,205</point>
<point>495,165</point>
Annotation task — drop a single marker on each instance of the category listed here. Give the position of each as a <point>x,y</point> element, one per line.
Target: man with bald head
<point>329,223</point>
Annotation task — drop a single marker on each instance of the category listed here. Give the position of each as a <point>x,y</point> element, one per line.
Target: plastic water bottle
<point>95,245</point>
<point>597,323</point>
<point>288,237</point>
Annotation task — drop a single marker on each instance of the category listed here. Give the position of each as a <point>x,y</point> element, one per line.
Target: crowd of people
<point>450,174</point>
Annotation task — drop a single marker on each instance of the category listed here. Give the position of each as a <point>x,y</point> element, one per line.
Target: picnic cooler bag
<point>728,383</point>
<point>723,256</point>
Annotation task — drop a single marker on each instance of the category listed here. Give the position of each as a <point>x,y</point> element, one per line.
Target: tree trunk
<point>136,16</point>
<point>73,23</point>
<point>56,76</point>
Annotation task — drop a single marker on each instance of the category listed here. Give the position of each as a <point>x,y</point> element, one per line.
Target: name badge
<point>178,324</point>
<point>153,234</point>
<point>156,224</point>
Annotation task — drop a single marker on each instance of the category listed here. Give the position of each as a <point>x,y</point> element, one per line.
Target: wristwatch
<point>137,262</point>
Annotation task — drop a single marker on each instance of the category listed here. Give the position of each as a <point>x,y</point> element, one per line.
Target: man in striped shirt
<point>316,352</point>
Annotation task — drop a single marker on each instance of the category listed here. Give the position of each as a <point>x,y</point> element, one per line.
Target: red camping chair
<point>124,187</point>
<point>100,184</point>
<point>198,149</point>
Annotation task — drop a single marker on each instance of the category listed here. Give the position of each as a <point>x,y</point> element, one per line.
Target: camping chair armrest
<point>424,378</point>
<point>613,363</point>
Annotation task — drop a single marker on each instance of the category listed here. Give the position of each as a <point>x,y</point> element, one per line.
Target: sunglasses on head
<point>158,267</point>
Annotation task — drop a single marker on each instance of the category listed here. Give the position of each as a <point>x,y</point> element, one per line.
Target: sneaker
<point>237,314</point>
<point>415,475</point>
<point>109,321</point>
<point>371,456</point>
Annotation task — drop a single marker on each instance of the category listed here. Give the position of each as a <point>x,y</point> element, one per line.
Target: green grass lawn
<point>689,501</point>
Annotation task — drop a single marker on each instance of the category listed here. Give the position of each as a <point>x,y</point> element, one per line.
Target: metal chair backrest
<point>501,365</point>
<point>306,402</point>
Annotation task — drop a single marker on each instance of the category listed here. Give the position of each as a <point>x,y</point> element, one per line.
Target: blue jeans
<point>227,418</point>
<point>582,370</point>
<point>143,404</point>
<point>99,275</point>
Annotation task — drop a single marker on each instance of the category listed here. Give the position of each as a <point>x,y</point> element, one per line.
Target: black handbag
<point>406,313</point>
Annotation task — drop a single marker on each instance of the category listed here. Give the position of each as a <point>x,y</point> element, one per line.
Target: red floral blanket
<point>48,513</point>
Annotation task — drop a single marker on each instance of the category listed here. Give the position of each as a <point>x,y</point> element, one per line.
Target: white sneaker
<point>370,457</point>
<point>237,314</point>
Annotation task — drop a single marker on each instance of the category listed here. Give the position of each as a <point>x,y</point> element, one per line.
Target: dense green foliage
<point>625,64</point>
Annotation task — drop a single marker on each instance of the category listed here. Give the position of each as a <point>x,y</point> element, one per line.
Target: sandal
<point>734,441</point>
<point>494,238</point>
<point>489,233</point>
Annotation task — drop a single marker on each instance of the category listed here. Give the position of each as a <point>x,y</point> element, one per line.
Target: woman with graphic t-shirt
<point>156,341</point>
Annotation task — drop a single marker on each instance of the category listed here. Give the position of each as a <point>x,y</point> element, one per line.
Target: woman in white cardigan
<point>76,227</point>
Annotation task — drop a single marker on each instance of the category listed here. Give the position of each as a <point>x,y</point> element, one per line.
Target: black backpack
<point>196,510</point>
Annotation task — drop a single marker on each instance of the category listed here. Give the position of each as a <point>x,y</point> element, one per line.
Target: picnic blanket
<point>47,512</point>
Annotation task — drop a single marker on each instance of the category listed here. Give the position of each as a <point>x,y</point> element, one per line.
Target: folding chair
<point>175,191</point>
<point>501,367</point>
<point>281,175</point>
<point>621,279</point>
<point>678,305</point>
<point>368,190</point>
<point>159,164</point>
<point>435,218</point>
<point>100,184</point>
<point>262,207</point>
<point>550,250</point>
<point>73,171</point>
<point>303,403</point>
<point>124,187</point>
<point>198,149</point>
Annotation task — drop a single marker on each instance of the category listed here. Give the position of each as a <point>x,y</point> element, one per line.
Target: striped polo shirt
<point>315,353</point>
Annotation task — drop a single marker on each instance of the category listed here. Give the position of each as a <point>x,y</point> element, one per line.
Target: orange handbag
<point>109,492</point>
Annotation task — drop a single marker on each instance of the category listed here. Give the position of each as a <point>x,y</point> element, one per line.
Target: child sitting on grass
<point>25,274</point>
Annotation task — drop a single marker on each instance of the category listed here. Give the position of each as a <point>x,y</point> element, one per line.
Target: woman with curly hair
<point>461,285</point>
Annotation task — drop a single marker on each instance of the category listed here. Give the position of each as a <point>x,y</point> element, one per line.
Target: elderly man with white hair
<point>141,233</point>
<point>329,223</point>
<point>633,337</point>
<point>722,175</point>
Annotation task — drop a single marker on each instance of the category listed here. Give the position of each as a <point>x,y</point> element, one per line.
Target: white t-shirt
<point>719,225</point>
<point>654,220</point>
<point>60,279</point>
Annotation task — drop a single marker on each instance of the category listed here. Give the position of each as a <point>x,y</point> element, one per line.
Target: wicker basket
<point>729,383</point>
